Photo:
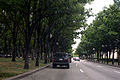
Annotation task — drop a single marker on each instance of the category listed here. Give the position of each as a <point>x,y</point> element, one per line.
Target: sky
<point>97,6</point>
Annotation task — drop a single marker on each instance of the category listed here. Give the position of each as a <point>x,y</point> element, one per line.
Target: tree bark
<point>118,57</point>
<point>37,57</point>
<point>14,48</point>
<point>38,47</point>
<point>98,55</point>
<point>102,57</point>
<point>113,57</point>
<point>109,56</point>
<point>19,55</point>
<point>45,54</point>
<point>26,66</point>
<point>32,54</point>
<point>5,47</point>
<point>28,34</point>
<point>41,52</point>
<point>10,47</point>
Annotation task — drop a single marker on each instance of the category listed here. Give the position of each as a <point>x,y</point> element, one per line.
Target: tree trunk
<point>27,43</point>
<point>33,49</point>
<point>14,50</point>
<point>45,54</point>
<point>37,57</point>
<point>38,47</point>
<point>10,47</point>
<point>107,58</point>
<point>48,47</point>
<point>5,47</point>
<point>102,57</point>
<point>113,58</point>
<point>32,54</point>
<point>48,52</point>
<point>26,66</point>
<point>19,49</point>
<point>98,55</point>
<point>23,55</point>
<point>118,57</point>
<point>27,36</point>
<point>14,34</point>
<point>41,51</point>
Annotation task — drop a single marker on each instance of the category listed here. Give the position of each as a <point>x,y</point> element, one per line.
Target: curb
<point>106,64</point>
<point>26,73</point>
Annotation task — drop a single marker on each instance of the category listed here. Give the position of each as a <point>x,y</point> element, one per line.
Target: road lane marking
<point>117,72</point>
<point>81,70</point>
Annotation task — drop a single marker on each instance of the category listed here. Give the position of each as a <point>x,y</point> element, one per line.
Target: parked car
<point>60,58</point>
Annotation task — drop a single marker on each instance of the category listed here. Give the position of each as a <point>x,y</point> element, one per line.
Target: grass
<point>9,69</point>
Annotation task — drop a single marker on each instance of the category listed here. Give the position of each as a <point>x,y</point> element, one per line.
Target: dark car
<point>60,58</point>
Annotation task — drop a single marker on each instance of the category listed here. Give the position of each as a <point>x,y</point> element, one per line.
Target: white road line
<point>81,70</point>
<point>117,72</point>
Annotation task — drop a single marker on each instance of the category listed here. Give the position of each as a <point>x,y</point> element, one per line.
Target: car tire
<point>53,66</point>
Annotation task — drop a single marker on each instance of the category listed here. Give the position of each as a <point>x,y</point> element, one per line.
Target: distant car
<point>60,58</point>
<point>76,59</point>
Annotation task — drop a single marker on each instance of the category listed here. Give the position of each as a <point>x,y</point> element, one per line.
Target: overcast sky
<point>97,6</point>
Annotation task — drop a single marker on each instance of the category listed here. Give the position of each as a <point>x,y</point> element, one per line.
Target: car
<point>76,59</point>
<point>61,59</point>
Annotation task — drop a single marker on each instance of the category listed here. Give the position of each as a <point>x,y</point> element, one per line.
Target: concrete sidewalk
<point>26,73</point>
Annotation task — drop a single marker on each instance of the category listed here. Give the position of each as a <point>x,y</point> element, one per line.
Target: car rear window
<point>60,55</point>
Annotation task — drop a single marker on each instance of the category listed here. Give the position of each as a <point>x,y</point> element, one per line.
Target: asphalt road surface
<point>79,70</point>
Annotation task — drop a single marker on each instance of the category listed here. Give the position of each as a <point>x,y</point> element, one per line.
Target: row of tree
<point>39,27</point>
<point>103,35</point>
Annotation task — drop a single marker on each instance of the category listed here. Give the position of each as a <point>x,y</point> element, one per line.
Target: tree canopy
<point>103,34</point>
<point>45,26</point>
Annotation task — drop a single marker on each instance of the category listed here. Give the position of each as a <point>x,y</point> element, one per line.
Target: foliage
<point>46,26</point>
<point>103,34</point>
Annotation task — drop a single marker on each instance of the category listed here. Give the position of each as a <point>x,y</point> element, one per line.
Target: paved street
<point>82,70</point>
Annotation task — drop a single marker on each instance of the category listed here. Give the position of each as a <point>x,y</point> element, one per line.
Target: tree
<point>102,34</point>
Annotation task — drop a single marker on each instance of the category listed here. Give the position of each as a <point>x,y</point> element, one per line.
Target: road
<point>82,70</point>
